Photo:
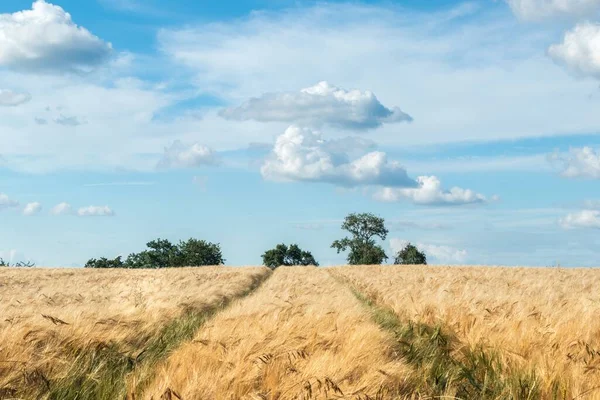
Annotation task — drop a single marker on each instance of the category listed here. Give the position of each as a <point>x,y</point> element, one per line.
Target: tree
<point>365,228</point>
<point>195,253</point>
<point>162,253</point>
<point>410,255</point>
<point>287,256</point>
<point>104,262</point>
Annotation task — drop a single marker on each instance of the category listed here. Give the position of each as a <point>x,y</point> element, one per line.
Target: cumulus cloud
<point>95,211</point>
<point>32,208</point>
<point>441,254</point>
<point>62,209</point>
<point>46,37</point>
<point>430,192</point>
<point>581,219</point>
<point>300,154</point>
<point>535,10</point>
<point>579,50</point>
<point>179,155</point>
<point>318,105</point>
<point>9,98</point>
<point>7,202</point>
<point>581,162</point>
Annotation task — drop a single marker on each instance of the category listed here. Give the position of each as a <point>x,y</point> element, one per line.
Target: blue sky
<point>472,127</point>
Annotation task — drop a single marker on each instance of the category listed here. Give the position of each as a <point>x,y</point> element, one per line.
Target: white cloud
<point>300,154</point>
<point>580,50</point>
<point>445,71</point>
<point>95,211</point>
<point>179,155</point>
<point>45,37</point>
<point>457,80</point>
<point>62,209</point>
<point>430,192</point>
<point>535,10</point>
<point>581,162</point>
<point>7,202</point>
<point>32,208</point>
<point>581,219</point>
<point>318,105</point>
<point>441,254</point>
<point>9,98</point>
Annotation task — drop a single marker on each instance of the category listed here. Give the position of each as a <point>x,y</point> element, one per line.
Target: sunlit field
<point>540,326</point>
<point>302,336</point>
<point>368,332</point>
<point>59,325</point>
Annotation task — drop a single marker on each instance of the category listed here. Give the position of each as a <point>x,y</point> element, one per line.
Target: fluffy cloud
<point>62,209</point>
<point>534,10</point>
<point>7,202</point>
<point>430,192</point>
<point>580,50</point>
<point>32,209</point>
<point>300,154</point>
<point>581,162</point>
<point>318,105</point>
<point>179,155</point>
<point>95,211</point>
<point>8,98</point>
<point>45,37</point>
<point>441,254</point>
<point>581,219</point>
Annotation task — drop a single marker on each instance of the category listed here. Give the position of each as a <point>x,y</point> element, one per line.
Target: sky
<point>472,127</point>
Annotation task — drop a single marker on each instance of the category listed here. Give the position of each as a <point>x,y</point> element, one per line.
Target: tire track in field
<point>303,335</point>
<point>108,372</point>
<point>444,367</point>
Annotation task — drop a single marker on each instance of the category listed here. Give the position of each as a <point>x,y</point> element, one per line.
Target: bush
<point>162,253</point>
<point>283,255</point>
<point>20,264</point>
<point>105,263</point>
<point>410,255</point>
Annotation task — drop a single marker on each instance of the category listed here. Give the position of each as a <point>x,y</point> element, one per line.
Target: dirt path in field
<point>302,335</point>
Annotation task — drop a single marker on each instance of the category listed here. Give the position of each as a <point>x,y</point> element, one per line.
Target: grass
<point>446,369</point>
<point>81,356</point>
<point>100,372</point>
<point>509,332</point>
<point>360,333</point>
<point>302,335</point>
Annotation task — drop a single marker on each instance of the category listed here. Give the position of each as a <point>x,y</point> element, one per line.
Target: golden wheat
<point>47,314</point>
<point>542,320</point>
<point>301,336</point>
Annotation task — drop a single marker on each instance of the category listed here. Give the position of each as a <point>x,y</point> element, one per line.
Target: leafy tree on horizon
<point>282,255</point>
<point>162,253</point>
<point>410,255</point>
<point>104,262</point>
<point>365,228</point>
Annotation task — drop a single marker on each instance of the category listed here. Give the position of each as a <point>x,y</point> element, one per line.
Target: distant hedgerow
<point>161,253</point>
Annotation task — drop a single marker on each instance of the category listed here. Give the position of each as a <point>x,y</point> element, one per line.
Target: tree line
<point>361,244</point>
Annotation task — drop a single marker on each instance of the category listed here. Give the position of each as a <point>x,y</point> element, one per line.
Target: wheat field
<point>302,336</point>
<point>364,333</point>
<point>49,315</point>
<point>545,322</point>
